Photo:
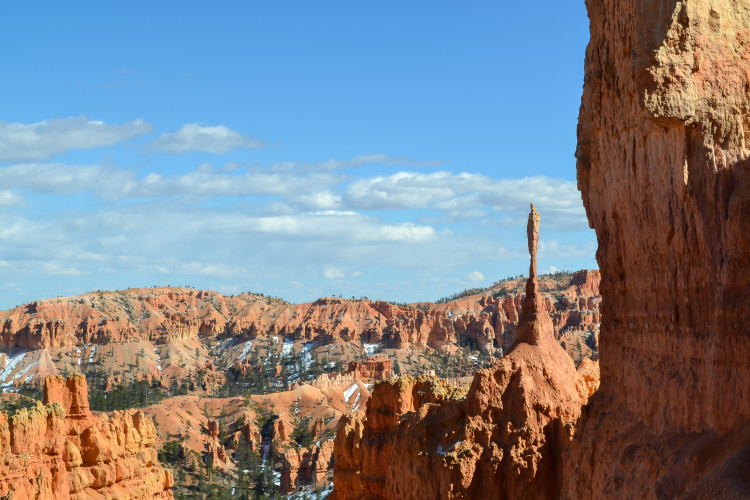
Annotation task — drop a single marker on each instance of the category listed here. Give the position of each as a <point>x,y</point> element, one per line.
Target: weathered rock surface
<point>60,450</point>
<point>503,439</point>
<point>378,368</point>
<point>306,466</point>
<point>664,170</point>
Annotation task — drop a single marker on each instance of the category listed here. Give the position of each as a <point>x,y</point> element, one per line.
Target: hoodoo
<point>503,439</point>
<point>61,450</point>
<point>664,170</point>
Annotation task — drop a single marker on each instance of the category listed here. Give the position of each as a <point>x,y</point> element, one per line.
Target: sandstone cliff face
<point>60,450</point>
<point>378,368</point>
<point>306,466</point>
<point>503,439</point>
<point>664,170</point>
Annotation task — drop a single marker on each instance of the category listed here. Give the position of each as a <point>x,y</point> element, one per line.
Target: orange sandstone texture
<point>376,367</point>
<point>664,170</point>
<point>60,450</point>
<point>306,466</point>
<point>502,439</point>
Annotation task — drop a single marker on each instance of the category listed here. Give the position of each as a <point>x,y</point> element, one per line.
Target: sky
<point>299,149</point>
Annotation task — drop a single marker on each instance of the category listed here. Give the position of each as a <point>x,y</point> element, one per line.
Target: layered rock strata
<point>60,450</point>
<point>503,439</point>
<point>664,171</point>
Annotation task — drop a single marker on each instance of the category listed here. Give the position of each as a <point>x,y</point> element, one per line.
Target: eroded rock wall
<point>664,171</point>
<point>60,450</point>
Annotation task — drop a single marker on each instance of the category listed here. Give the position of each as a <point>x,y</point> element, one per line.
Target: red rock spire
<point>535,326</point>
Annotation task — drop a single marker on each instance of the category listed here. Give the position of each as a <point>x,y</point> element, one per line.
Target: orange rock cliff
<point>663,167</point>
<point>502,439</point>
<point>61,450</point>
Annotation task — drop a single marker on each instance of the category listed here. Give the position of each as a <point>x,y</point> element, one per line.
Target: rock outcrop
<point>60,450</point>
<point>664,170</point>
<point>376,367</point>
<point>306,466</point>
<point>504,439</point>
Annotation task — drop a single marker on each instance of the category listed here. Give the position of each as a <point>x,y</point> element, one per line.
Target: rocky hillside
<point>179,334</point>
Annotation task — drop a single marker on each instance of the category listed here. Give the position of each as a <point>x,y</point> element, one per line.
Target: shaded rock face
<point>306,466</point>
<point>503,439</point>
<point>378,368</point>
<point>60,450</point>
<point>664,170</point>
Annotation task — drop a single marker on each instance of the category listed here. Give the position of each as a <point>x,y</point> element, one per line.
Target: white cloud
<point>114,183</point>
<point>333,273</point>
<point>55,268</point>
<point>43,140</point>
<point>321,200</point>
<point>197,137</point>
<point>58,178</point>
<point>475,276</point>
<point>467,195</point>
<point>329,226</point>
<point>9,199</point>
<point>229,289</point>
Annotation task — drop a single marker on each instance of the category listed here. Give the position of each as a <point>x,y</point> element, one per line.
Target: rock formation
<point>664,170</point>
<point>376,367</point>
<point>159,316</point>
<point>306,466</point>
<point>504,439</point>
<point>60,450</point>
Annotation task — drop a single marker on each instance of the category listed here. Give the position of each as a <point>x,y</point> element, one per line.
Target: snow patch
<point>348,393</point>
<point>245,350</point>
<point>91,356</point>
<point>370,348</point>
<point>286,349</point>
<point>307,356</point>
<point>11,363</point>
<point>308,493</point>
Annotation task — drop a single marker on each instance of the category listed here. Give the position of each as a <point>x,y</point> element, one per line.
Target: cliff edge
<point>663,164</point>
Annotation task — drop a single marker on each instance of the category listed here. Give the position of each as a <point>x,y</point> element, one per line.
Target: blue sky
<point>298,149</point>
